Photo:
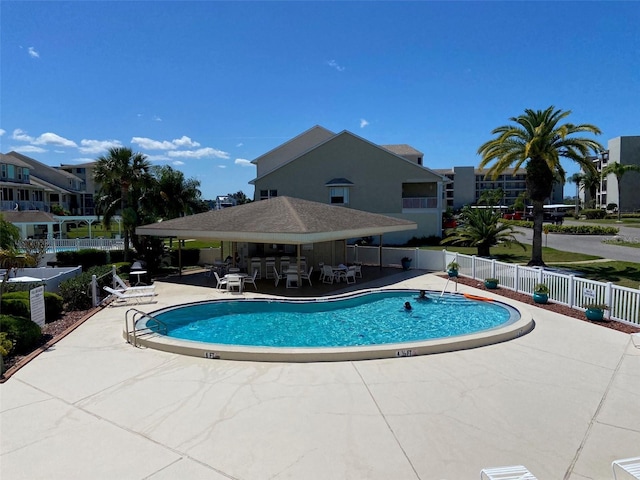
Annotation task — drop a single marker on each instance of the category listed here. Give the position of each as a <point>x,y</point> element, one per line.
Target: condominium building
<point>468,184</point>
<point>626,151</point>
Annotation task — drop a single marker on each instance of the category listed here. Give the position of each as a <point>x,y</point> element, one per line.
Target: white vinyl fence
<point>565,289</point>
<point>61,245</point>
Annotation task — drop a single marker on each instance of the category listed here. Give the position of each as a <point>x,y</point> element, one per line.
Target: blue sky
<point>208,86</point>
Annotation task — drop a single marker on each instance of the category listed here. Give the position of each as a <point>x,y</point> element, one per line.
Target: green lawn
<point>627,222</point>
<point>625,274</point>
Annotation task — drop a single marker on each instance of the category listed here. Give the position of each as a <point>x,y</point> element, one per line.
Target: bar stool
<point>269,265</point>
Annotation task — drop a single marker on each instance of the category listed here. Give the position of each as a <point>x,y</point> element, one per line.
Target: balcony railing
<point>416,203</point>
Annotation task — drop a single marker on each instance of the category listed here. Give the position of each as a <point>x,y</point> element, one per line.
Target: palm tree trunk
<point>577,200</point>
<point>619,179</point>
<point>123,205</point>
<point>536,248</point>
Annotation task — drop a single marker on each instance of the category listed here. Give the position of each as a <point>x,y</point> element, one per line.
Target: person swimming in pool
<point>407,306</point>
<point>422,296</point>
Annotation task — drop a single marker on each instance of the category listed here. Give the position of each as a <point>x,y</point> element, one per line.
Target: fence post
<point>113,276</point>
<point>541,275</point>
<point>572,291</point>
<point>417,258</point>
<point>77,244</point>
<point>473,266</point>
<point>607,296</point>
<point>516,278</point>
<point>493,268</point>
<point>94,290</point>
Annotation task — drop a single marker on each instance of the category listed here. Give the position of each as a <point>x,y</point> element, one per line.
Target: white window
<point>339,195</point>
<point>266,194</point>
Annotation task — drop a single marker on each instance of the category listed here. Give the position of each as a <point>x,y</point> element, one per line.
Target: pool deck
<point>563,400</point>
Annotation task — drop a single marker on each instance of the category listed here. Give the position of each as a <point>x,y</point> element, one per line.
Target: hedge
<point>76,291</point>
<point>567,229</point>
<point>18,303</point>
<point>25,334</point>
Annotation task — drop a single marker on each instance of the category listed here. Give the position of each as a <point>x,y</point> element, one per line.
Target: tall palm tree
<point>590,183</point>
<point>482,229</point>
<point>116,173</point>
<point>577,178</point>
<point>619,170</point>
<point>538,141</point>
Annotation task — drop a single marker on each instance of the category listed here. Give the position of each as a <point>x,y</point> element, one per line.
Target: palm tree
<point>539,142</point>
<point>590,183</point>
<point>577,178</point>
<point>174,196</point>
<point>117,173</point>
<point>619,170</point>
<point>482,229</point>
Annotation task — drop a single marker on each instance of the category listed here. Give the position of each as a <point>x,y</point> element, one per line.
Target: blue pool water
<point>371,318</point>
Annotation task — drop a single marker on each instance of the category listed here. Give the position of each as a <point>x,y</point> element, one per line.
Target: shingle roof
<point>285,220</point>
<point>28,216</point>
<point>402,149</point>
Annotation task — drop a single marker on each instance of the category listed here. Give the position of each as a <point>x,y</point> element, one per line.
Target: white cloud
<point>200,153</point>
<point>33,53</point>
<point>334,64</point>
<point>240,145</point>
<point>53,139</point>
<point>222,166</point>
<point>157,118</point>
<point>44,139</point>
<point>363,123</point>
<point>177,163</point>
<point>242,162</point>
<point>28,149</point>
<point>184,141</point>
<point>2,132</point>
<point>97,146</point>
<point>21,135</point>
<point>157,158</point>
<point>151,144</point>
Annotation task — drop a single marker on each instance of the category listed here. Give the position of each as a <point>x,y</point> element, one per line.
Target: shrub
<point>18,303</point>
<point>541,288</point>
<point>594,213</point>
<point>431,241</point>
<point>75,291</point>
<point>25,334</point>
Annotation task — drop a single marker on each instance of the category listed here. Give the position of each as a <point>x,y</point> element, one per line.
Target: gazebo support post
<point>380,250</point>
<point>179,257</point>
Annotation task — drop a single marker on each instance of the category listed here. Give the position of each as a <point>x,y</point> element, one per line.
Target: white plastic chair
<point>270,268</point>
<point>234,281</point>
<point>515,472</point>
<point>251,280</point>
<point>292,280</point>
<point>307,276</point>
<point>222,282</point>
<point>350,276</point>
<point>327,274</point>
<point>626,468</point>
<point>358,269</point>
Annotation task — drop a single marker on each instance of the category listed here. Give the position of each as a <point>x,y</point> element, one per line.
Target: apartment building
<point>468,183</point>
<point>626,151</point>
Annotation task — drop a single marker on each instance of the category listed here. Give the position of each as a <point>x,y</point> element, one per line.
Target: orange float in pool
<point>477,297</point>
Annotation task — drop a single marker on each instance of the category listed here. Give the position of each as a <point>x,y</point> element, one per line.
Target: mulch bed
<point>554,307</point>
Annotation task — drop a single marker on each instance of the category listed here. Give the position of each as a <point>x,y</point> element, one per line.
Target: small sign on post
<point>36,297</point>
<point>589,293</point>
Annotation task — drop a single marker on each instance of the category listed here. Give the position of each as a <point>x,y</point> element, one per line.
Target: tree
<point>619,170</point>
<point>491,197</point>
<point>10,257</point>
<point>590,183</point>
<point>538,141</point>
<point>117,173</point>
<point>578,179</point>
<point>481,228</point>
<point>9,234</point>
<point>240,197</point>
<point>173,195</point>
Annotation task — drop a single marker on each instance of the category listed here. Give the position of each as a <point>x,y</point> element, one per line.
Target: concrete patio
<point>563,400</point>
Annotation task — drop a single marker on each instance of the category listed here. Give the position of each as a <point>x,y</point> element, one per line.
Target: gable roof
<point>28,216</point>
<point>347,132</point>
<point>402,149</point>
<point>300,143</point>
<point>284,220</point>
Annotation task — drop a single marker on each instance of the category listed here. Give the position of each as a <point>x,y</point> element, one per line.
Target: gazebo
<point>281,221</point>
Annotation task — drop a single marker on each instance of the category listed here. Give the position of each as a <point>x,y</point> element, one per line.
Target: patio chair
<point>350,276</point>
<point>358,269</point>
<point>626,468</point>
<point>222,282</point>
<point>234,281</point>
<point>292,280</point>
<point>133,295</point>
<point>276,275</point>
<point>307,276</point>
<point>328,276</point>
<point>321,268</point>
<point>251,280</point>
<point>270,266</point>
<point>516,472</point>
<point>284,263</point>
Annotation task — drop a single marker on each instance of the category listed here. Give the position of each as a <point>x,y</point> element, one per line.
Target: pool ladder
<point>136,316</point>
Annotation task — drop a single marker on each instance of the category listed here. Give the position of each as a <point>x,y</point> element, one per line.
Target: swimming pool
<point>369,324</point>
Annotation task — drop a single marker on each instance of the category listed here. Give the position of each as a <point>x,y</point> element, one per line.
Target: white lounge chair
<point>137,296</point>
<point>123,287</point>
<point>626,468</point>
<point>515,472</point>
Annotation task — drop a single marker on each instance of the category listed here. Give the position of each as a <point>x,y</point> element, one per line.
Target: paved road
<point>589,244</point>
